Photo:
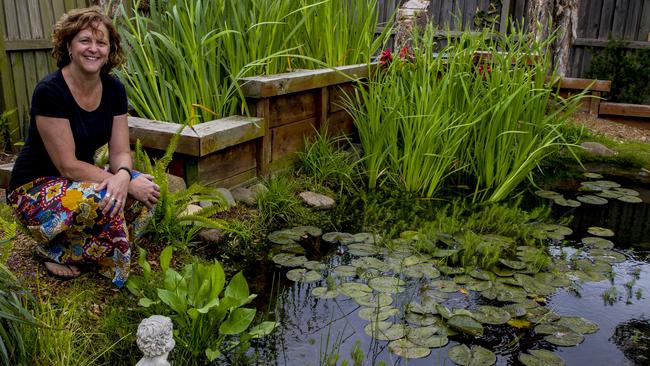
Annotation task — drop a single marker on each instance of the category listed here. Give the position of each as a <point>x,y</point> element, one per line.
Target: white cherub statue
<point>155,340</point>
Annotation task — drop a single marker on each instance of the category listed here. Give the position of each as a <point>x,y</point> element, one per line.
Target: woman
<point>74,209</point>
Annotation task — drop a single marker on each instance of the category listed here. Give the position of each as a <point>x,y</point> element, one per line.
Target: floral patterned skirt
<point>65,218</point>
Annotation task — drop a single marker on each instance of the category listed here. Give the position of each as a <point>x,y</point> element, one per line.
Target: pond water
<point>313,329</point>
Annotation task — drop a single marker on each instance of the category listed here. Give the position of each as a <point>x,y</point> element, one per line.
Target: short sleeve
<point>48,101</point>
<point>119,99</point>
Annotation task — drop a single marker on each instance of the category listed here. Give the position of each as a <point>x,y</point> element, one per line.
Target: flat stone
<point>598,149</point>
<point>175,184</point>
<point>317,200</point>
<point>245,195</point>
<point>191,209</point>
<point>212,236</point>
<point>227,196</point>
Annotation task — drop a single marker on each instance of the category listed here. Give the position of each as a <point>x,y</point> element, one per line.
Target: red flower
<point>386,58</point>
<point>484,70</point>
<point>405,54</point>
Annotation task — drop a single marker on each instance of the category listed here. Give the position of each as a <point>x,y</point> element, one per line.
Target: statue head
<point>154,336</point>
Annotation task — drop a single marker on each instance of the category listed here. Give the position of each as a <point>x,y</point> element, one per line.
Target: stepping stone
<point>597,149</point>
<point>244,195</point>
<point>212,236</point>
<point>230,200</point>
<point>317,201</point>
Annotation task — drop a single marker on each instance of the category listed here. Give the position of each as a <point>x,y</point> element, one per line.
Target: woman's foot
<point>62,271</point>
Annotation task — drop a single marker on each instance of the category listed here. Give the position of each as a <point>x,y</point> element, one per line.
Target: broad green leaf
<point>237,322</point>
<point>238,287</point>
<point>263,329</point>
<point>146,302</point>
<point>134,285</point>
<point>166,258</point>
<point>179,305</point>
<point>212,354</point>
<point>206,308</point>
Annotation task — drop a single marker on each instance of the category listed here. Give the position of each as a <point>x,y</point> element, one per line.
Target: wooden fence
<point>25,27</point>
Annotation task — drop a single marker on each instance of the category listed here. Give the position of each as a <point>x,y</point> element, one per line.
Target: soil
<point>27,268</point>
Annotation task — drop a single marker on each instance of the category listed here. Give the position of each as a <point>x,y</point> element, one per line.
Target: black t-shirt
<point>90,130</point>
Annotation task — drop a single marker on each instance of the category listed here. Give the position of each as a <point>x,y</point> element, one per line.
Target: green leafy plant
<point>187,56</point>
<point>626,68</point>
<point>325,162</point>
<point>425,116</point>
<point>5,133</point>
<point>8,230</point>
<point>14,319</point>
<point>210,319</point>
<point>278,204</point>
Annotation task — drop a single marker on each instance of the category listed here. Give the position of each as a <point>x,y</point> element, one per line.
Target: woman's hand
<point>143,189</point>
<point>117,188</point>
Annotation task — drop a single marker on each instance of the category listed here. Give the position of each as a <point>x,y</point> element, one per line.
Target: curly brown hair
<point>76,20</point>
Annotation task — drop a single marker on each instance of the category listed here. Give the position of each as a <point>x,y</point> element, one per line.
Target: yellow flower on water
<point>71,199</point>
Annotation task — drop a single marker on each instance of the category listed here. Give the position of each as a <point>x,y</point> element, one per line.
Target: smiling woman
<point>77,211</point>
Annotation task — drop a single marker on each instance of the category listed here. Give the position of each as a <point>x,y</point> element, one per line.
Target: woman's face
<point>89,49</point>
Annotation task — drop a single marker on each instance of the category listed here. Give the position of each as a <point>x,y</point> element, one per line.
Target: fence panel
<point>25,27</point>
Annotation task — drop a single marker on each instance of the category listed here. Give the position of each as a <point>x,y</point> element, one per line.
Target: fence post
<point>505,13</point>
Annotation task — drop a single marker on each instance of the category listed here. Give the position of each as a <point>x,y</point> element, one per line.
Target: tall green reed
<point>186,56</point>
<point>427,115</point>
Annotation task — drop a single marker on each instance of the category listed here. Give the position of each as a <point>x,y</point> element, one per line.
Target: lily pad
<point>608,193</point>
<point>289,260</point>
<point>427,307</point>
<point>578,324</point>
<point>451,270</point>
<point>407,349</point>
<point>354,289</point>
<point>336,237</point>
<point>283,237</point>
<point>598,243</point>
<point>476,356</point>
<point>324,293</point>
<point>367,238</point>
<point>345,271</point>
<point>502,272</point>
<point>519,323</point>
<point>444,253</point>
<point>445,286</point>
<point>608,256</point>
<point>592,200</point>
<point>630,199</point>
<point>516,265</point>
<point>362,249</point>
<point>433,341</point>
<point>515,310</point>
<point>307,230</point>
<point>600,231</point>
<point>314,265</point>
<point>302,275</point>
<point>562,339</point>
<point>541,315</point>
<point>548,194</point>
<point>592,175</point>
<point>481,275</point>
<point>626,191</point>
<point>378,314</point>
<point>606,184</point>
<point>477,285</point>
<point>374,300</point>
<point>566,202</point>
<point>421,332</point>
<point>422,270</point>
<point>369,262</point>
<point>541,357</point>
<point>465,324</point>
<point>385,331</point>
<point>491,315</point>
<point>389,285</point>
<point>422,320</point>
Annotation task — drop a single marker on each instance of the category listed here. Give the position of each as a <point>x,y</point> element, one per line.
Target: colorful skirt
<point>66,220</point>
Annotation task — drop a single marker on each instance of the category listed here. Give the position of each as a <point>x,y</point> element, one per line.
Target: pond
<point>400,307</point>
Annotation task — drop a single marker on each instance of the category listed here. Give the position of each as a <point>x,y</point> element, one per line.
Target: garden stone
<point>244,195</point>
<point>230,200</point>
<point>205,204</point>
<point>212,236</point>
<point>597,149</point>
<point>175,184</point>
<point>258,189</point>
<point>155,339</point>
<point>191,209</point>
<point>316,200</point>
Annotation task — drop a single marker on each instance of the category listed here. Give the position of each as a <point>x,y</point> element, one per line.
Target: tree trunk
<point>562,15</point>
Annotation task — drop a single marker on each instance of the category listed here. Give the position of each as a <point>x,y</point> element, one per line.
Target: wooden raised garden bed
<point>287,110</point>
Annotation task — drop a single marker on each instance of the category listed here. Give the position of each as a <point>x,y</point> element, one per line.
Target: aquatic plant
<point>438,114</point>
<point>324,161</point>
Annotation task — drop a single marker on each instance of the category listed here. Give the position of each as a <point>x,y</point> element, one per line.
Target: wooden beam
<point>589,84</point>
<point>263,147</point>
<point>28,45</point>
<point>5,174</point>
<point>592,42</point>
<point>503,20</point>
<point>292,82</point>
<point>624,109</point>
